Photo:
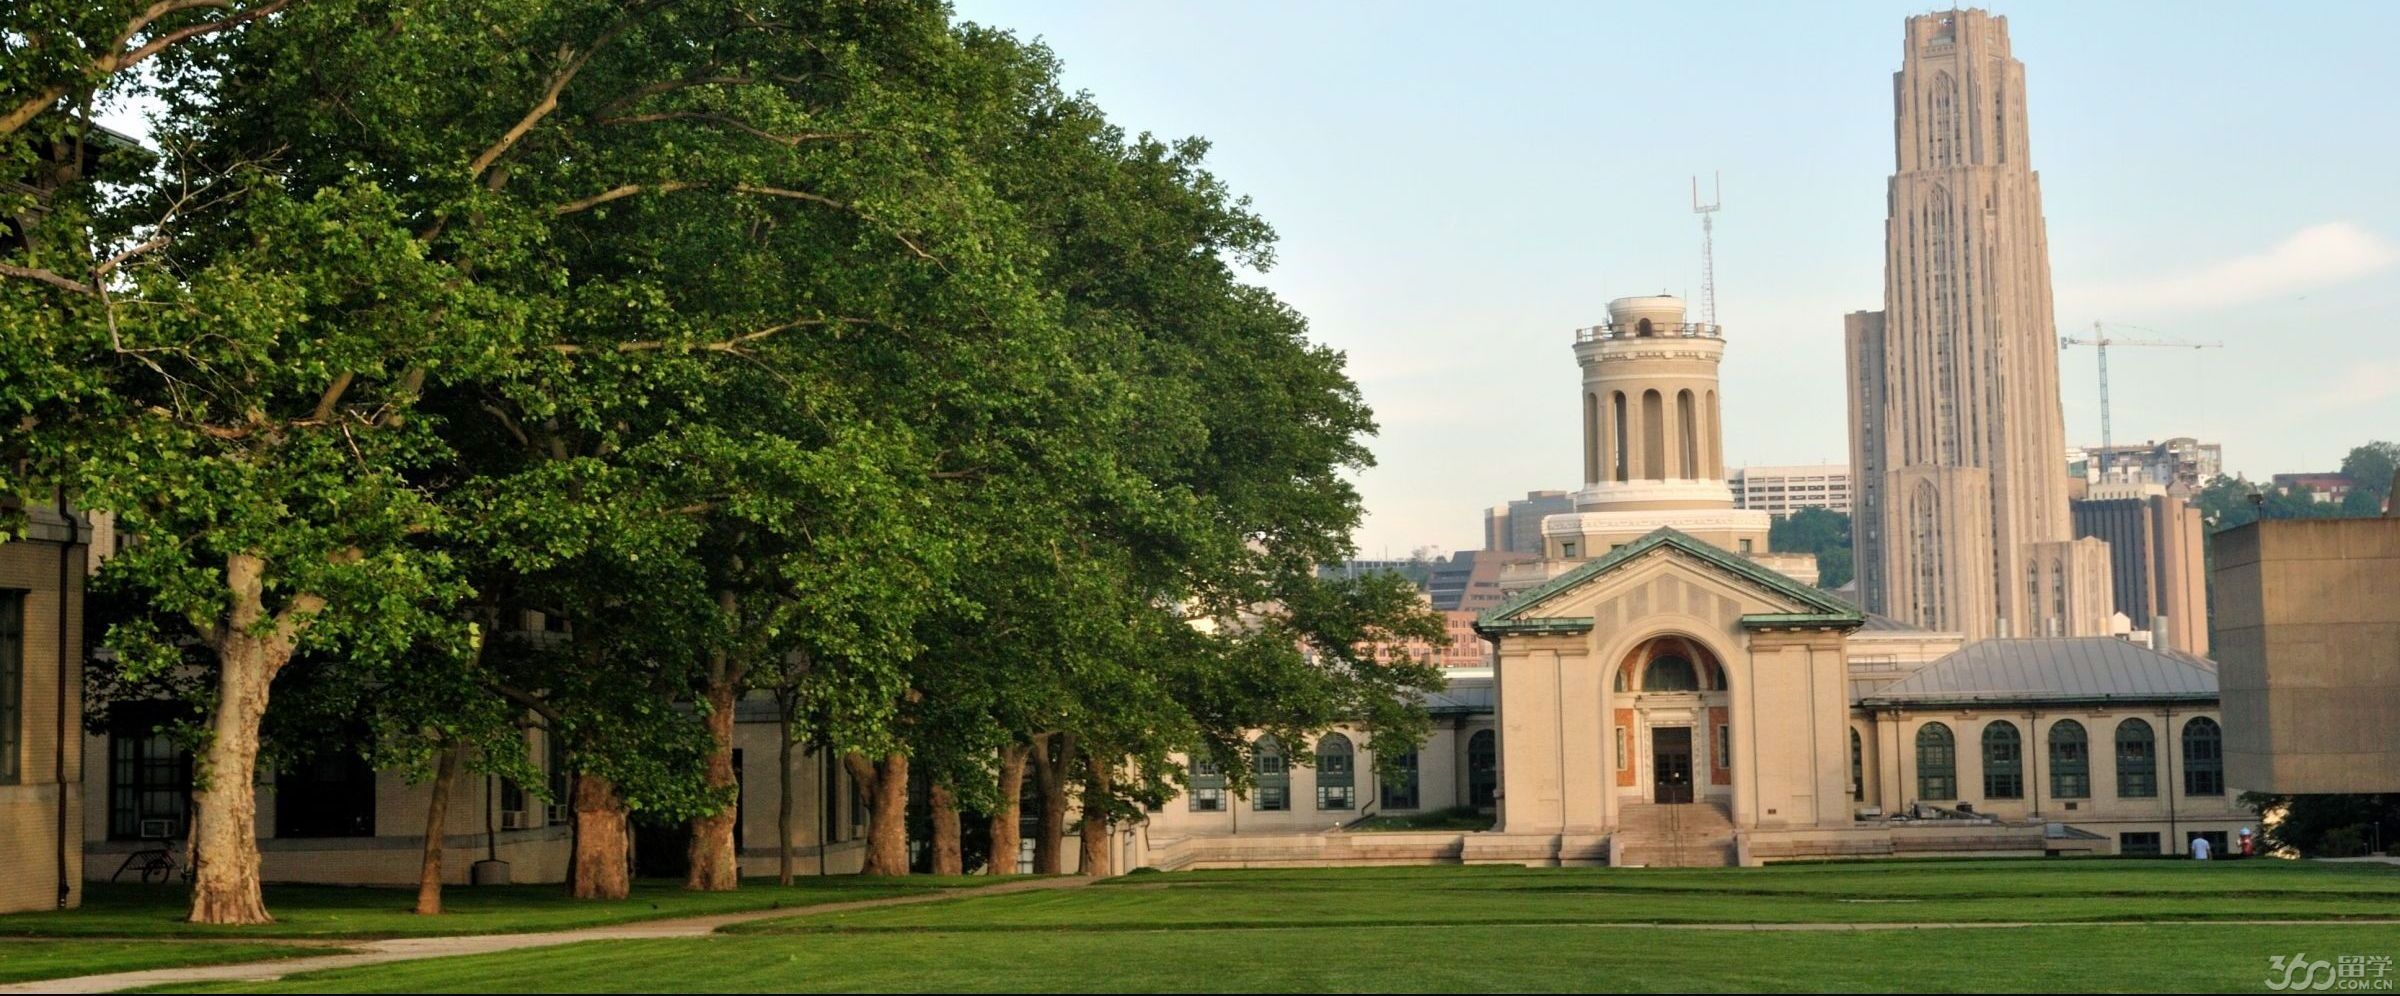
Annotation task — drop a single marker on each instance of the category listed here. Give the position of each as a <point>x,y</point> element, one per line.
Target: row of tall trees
<point>824,350</point>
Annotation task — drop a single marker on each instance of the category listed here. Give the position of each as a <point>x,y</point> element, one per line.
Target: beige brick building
<point>41,709</point>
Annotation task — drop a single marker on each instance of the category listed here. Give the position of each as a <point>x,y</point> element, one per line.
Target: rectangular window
<point>1274,798</point>
<point>328,794</point>
<point>1208,800</point>
<point>1208,787</point>
<point>1337,797</point>
<point>12,687</point>
<point>1724,747</point>
<point>149,775</point>
<point>1400,787</point>
<point>1624,750</point>
<point>2137,844</point>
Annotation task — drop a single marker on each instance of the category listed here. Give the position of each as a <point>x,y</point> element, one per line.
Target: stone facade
<point>1956,430</point>
<point>2308,628</point>
<point>41,695</point>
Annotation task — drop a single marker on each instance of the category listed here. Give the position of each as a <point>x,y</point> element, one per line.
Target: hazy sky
<point>1459,186</point>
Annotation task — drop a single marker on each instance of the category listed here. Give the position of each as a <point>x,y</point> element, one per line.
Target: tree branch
<point>733,345</point>
<point>565,74</point>
<point>48,277</point>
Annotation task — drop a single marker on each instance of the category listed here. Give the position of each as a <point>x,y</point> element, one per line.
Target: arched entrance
<point>1674,741</point>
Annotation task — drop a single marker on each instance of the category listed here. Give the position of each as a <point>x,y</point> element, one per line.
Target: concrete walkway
<point>358,953</point>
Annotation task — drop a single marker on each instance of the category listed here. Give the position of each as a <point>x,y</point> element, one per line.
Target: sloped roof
<point>1464,694</point>
<point>1816,607</point>
<point>2076,669</point>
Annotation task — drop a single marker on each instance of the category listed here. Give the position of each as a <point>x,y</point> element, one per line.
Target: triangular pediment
<point>1550,607</point>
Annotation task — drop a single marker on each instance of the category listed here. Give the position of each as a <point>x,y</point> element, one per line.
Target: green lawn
<point>1500,929</point>
<point>335,912</point>
<point>24,960</point>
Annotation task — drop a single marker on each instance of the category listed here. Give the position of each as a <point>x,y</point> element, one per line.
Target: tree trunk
<point>886,786</point>
<point>437,820</point>
<point>1052,752</point>
<point>603,841</point>
<point>949,856</point>
<point>783,808</point>
<point>714,865</point>
<point>225,880</point>
<point>1007,833</point>
<point>1093,862</point>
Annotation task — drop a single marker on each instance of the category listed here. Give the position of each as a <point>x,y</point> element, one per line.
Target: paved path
<point>358,953</point>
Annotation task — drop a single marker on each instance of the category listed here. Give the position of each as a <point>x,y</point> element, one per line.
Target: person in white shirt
<point>2199,848</point>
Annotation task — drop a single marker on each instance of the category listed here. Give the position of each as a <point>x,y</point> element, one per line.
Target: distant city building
<point>2322,487</point>
<point>1781,491</point>
<point>1517,526</point>
<point>2154,542</point>
<point>2181,464</point>
<point>1470,580</point>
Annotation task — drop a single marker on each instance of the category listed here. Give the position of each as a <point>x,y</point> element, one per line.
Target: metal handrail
<point>1679,330</point>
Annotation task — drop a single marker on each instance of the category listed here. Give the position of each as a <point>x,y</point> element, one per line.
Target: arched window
<point>2203,757</point>
<point>1483,769</point>
<point>2070,761</point>
<point>1591,437</point>
<point>1937,763</point>
<point>1687,434</point>
<point>1400,785</point>
<point>1668,673</point>
<point>1337,773</point>
<point>2003,761</point>
<point>2137,760</point>
<point>1858,768</point>
<point>1654,436</point>
<point>1623,458</point>
<point>1274,775</point>
<point>1642,328</point>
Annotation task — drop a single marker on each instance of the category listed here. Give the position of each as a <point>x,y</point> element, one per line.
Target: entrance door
<point>1671,763</point>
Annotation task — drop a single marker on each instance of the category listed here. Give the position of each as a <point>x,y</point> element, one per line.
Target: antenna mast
<point>1708,243</point>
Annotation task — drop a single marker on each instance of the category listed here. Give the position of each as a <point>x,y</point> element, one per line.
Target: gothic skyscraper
<point>1956,437</point>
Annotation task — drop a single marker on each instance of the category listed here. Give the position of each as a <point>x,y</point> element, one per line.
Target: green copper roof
<point>1816,607</point>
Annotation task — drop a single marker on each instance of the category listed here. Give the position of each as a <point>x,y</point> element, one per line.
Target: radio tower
<point>1708,244</point>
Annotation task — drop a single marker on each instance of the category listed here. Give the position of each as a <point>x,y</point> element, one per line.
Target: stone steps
<point>1675,835</point>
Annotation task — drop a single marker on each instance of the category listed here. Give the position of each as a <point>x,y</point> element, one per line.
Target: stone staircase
<point>1686,835</point>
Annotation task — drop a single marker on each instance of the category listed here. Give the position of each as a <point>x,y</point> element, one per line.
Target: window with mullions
<point>2203,758</point>
<point>2003,761</point>
<point>2137,761</point>
<point>149,775</point>
<point>12,687</point>
<point>1483,769</point>
<point>1274,773</point>
<point>1337,775</point>
<point>2070,761</point>
<point>1400,785</point>
<point>1208,787</point>
<point>2131,844</point>
<point>1937,763</point>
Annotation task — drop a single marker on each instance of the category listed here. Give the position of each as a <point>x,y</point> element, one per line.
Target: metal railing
<point>1679,330</point>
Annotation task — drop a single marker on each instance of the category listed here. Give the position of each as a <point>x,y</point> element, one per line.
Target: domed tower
<point>1653,452</point>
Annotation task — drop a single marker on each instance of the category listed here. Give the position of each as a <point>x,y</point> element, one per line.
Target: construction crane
<point>2100,341</point>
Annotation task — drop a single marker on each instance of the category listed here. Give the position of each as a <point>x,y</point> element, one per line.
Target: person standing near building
<point>2199,848</point>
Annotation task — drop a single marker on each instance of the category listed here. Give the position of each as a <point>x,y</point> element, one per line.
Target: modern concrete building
<point>2155,541</point>
<point>2308,630</point>
<point>41,707</point>
<point>1517,526</point>
<point>1781,491</point>
<point>2181,464</point>
<point>1956,433</point>
<point>1470,579</point>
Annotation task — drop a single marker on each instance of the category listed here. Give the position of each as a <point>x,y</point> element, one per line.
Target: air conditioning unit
<point>513,819</point>
<point>557,813</point>
<point>158,829</point>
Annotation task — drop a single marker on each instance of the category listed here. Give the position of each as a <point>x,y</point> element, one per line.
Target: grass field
<point>2100,925</point>
<point>24,960</point>
<point>309,911</point>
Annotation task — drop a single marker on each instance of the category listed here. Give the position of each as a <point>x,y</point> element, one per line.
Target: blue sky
<point>1457,189</point>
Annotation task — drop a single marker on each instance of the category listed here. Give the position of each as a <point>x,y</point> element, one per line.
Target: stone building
<point>41,707</point>
<point>2154,542</point>
<point>2308,627</point>
<point>1956,432</point>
